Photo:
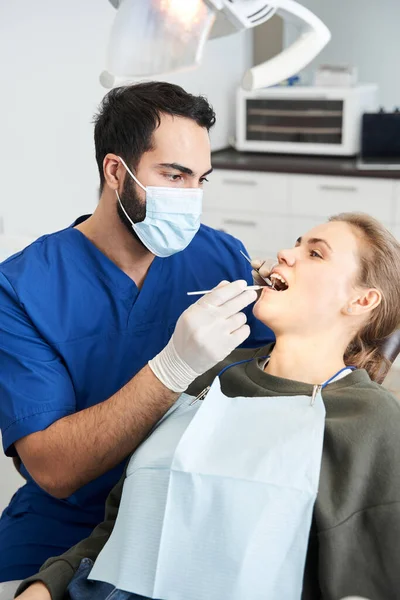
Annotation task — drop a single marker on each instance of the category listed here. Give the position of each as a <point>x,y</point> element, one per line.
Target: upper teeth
<point>277,276</point>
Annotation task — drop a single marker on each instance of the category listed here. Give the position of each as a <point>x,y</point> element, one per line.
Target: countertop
<point>289,163</point>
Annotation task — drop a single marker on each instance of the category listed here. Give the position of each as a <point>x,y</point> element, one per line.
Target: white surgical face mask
<point>172,217</point>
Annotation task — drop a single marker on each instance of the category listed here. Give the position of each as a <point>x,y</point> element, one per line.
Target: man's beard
<point>133,205</point>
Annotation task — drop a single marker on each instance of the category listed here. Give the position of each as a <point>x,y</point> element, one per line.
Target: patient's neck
<point>310,360</point>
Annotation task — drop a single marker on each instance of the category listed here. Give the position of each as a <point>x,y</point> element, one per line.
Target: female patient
<point>336,300</point>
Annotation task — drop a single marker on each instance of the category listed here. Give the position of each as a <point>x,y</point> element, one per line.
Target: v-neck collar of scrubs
<point>115,277</point>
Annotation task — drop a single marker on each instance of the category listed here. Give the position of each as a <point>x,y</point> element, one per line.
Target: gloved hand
<point>204,335</point>
<point>264,268</point>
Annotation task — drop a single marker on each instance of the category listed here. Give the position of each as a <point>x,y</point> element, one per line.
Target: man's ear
<point>114,171</point>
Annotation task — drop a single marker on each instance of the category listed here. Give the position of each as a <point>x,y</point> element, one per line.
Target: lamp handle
<point>293,59</point>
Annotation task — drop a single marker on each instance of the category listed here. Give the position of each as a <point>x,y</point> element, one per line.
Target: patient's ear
<point>364,302</point>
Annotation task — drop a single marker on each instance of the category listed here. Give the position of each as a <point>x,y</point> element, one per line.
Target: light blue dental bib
<point>218,501</point>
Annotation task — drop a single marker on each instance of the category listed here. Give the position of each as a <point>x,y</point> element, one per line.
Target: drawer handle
<point>240,182</point>
<point>338,188</point>
<point>240,222</point>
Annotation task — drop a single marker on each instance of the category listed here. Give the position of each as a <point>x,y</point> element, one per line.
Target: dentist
<point>84,310</point>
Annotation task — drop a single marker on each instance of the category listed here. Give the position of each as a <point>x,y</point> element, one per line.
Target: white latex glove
<point>204,335</point>
<point>264,266</point>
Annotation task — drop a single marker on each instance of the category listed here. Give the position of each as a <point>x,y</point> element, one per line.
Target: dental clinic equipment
<point>202,292</point>
<point>266,279</point>
<point>155,37</point>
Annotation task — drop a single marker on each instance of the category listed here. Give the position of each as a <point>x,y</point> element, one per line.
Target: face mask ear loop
<point>131,174</point>
<point>123,210</point>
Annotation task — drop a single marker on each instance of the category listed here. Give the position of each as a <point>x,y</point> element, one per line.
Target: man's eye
<point>203,180</point>
<point>173,177</point>
<point>315,254</point>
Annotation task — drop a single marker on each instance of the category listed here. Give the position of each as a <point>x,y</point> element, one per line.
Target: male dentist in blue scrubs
<point>83,311</point>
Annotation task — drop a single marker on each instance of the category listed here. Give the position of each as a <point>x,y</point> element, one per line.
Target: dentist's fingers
<point>234,306</point>
<point>224,292</point>
<point>207,332</point>
<point>264,267</point>
<point>256,263</point>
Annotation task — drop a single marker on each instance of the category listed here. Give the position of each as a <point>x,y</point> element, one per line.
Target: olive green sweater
<point>354,546</point>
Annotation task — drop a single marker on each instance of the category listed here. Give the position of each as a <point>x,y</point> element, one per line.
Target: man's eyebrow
<point>182,169</point>
<point>177,167</point>
<point>315,241</point>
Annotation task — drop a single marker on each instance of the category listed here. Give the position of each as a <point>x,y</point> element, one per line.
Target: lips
<point>279,282</point>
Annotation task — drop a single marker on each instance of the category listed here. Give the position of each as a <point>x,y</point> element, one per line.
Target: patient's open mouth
<point>280,284</point>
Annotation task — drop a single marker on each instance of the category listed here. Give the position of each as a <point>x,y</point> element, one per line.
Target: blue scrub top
<point>74,329</point>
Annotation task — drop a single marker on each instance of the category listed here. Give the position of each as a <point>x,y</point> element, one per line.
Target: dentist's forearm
<point>79,448</point>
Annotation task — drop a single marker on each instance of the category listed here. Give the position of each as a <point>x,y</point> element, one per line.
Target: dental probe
<point>249,287</point>
<point>266,279</point>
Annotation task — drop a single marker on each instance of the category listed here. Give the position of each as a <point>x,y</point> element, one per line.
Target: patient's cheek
<point>259,309</point>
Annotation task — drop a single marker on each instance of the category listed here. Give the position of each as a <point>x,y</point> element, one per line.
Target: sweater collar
<point>291,387</point>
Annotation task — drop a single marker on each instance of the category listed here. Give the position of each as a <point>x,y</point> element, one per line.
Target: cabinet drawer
<point>326,196</point>
<point>244,190</point>
<point>262,235</point>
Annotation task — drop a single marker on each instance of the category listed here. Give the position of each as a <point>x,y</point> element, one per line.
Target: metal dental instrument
<point>266,279</point>
<point>201,292</point>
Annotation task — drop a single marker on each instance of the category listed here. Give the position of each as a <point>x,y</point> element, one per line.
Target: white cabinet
<point>247,191</point>
<point>261,233</point>
<point>251,206</point>
<point>322,197</point>
<point>269,211</point>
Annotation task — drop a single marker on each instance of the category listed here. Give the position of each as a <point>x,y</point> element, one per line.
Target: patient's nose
<point>287,257</point>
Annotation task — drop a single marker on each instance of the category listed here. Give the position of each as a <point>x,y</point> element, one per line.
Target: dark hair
<point>129,115</point>
<point>379,254</point>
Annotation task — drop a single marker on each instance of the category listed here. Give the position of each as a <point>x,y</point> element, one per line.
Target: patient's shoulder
<point>363,413</point>
<point>358,391</point>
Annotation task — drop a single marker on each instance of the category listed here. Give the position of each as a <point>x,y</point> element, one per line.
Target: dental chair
<point>391,350</point>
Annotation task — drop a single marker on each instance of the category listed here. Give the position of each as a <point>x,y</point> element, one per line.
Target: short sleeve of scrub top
<point>35,387</point>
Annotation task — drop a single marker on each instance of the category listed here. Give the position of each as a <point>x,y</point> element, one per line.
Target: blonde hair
<point>379,253</point>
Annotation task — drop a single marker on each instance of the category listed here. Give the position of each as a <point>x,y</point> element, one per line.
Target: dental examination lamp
<point>155,37</point>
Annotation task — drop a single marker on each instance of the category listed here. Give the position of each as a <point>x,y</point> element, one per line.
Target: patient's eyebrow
<point>313,241</point>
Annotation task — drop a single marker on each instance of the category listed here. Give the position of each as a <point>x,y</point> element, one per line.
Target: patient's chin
<point>264,313</point>
<point>272,313</point>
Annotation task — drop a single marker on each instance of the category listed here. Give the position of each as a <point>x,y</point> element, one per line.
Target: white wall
<point>51,56</point>
<point>364,33</point>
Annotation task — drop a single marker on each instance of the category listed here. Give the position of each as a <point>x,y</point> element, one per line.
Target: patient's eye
<point>315,254</point>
